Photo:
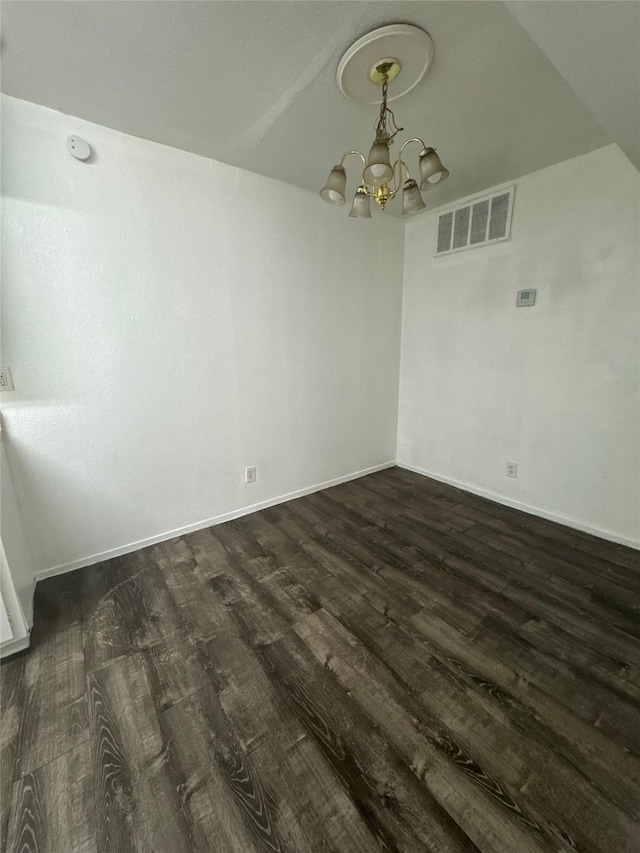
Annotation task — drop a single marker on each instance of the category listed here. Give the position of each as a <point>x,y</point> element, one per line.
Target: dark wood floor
<point>391,664</point>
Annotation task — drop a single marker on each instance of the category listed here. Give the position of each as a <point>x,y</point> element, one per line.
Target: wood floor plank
<point>224,643</point>
<point>613,553</point>
<point>53,806</point>
<point>222,799</point>
<point>218,636</point>
<point>567,581</point>
<point>389,664</point>
<point>580,572</point>
<point>55,705</point>
<point>528,766</point>
<point>447,770</point>
<point>12,716</point>
<point>398,811</point>
<point>429,545</point>
<point>345,829</point>
<point>29,827</point>
<point>613,715</point>
<point>112,608</point>
<point>512,624</point>
<point>423,667</point>
<point>280,590</point>
<point>296,780</point>
<point>538,764</point>
<point>136,613</point>
<point>338,554</point>
<point>135,802</point>
<point>586,747</point>
<point>590,631</point>
<point>534,590</point>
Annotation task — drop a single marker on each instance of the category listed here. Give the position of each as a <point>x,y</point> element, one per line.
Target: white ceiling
<point>253,83</point>
<point>596,48</point>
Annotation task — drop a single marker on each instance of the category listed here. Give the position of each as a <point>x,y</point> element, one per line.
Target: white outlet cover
<point>250,474</point>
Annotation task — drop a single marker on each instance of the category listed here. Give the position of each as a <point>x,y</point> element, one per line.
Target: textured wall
<point>554,387</point>
<point>169,320</point>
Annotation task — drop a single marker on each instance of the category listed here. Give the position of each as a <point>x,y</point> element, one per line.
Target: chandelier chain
<point>386,127</point>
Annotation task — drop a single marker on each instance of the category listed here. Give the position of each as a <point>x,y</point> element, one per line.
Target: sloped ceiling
<point>253,83</point>
<point>596,48</point>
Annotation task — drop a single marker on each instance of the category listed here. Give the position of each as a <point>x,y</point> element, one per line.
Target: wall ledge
<point>14,646</point>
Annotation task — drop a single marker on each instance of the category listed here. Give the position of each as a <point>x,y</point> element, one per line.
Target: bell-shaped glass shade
<point>378,170</point>
<point>333,191</point>
<point>361,207</point>
<point>431,169</point>
<point>411,199</point>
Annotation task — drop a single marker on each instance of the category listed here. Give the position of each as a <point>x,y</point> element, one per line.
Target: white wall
<point>553,387</point>
<point>169,320</point>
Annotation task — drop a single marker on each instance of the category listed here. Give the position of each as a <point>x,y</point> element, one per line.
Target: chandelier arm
<point>407,169</point>
<point>399,163</point>
<point>414,139</point>
<point>359,153</point>
<point>397,166</point>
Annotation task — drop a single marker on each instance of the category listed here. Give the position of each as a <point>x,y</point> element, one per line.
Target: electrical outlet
<point>251,474</point>
<point>512,469</point>
<point>6,380</point>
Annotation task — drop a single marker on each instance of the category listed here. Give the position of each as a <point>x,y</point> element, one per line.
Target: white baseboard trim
<point>207,522</point>
<point>568,521</point>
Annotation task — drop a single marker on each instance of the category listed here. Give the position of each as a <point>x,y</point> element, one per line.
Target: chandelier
<point>381,179</point>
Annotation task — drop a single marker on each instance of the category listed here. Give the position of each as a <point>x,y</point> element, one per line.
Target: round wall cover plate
<point>410,46</point>
<point>78,148</point>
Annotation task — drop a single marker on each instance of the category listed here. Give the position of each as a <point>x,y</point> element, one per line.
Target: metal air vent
<point>481,221</point>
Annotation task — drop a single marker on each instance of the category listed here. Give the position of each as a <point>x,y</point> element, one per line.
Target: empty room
<point>320,426</point>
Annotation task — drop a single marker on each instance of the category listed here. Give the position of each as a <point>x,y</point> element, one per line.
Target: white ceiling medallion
<point>407,49</point>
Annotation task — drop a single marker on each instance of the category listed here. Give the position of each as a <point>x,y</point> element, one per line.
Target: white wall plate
<point>410,46</point>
